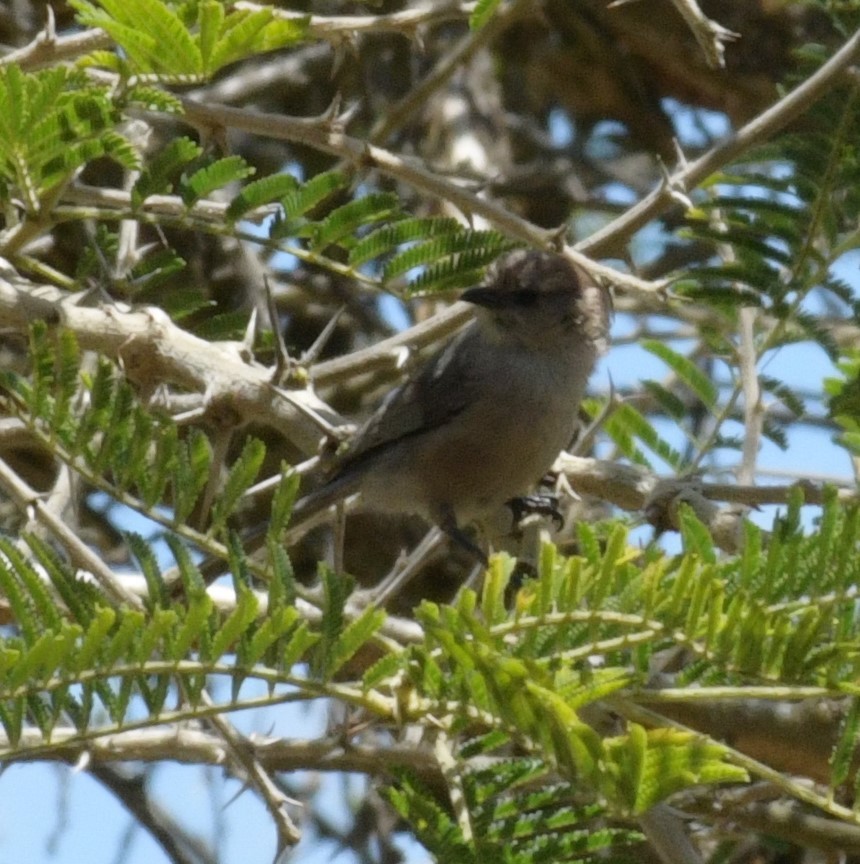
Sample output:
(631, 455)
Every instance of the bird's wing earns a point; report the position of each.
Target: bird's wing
(442, 388)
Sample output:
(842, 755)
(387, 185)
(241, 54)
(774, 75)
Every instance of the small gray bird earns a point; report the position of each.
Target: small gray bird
(484, 418)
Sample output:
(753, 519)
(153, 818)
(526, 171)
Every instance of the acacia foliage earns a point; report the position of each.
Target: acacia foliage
(558, 714)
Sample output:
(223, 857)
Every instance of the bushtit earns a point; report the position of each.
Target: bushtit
(484, 418)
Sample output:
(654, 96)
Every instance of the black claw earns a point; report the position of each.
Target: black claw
(543, 504)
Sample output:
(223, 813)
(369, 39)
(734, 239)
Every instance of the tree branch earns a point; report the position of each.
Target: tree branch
(611, 238)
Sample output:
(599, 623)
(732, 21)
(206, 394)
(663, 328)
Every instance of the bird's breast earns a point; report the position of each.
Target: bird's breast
(504, 441)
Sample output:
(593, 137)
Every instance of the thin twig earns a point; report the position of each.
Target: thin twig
(80, 554)
(339, 27)
(753, 409)
(325, 135)
(47, 49)
(251, 768)
(396, 115)
(613, 236)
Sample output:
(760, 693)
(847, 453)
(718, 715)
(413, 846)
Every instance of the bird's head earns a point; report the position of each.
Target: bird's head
(537, 297)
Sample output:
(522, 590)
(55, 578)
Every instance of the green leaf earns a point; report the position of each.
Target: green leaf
(461, 248)
(151, 34)
(336, 591)
(66, 386)
(482, 13)
(282, 501)
(432, 823)
(194, 630)
(686, 370)
(242, 474)
(626, 424)
(668, 402)
(81, 598)
(43, 657)
(384, 669)
(245, 32)
(300, 643)
(353, 637)
(163, 170)
(157, 592)
(93, 642)
(151, 98)
(193, 583)
(210, 19)
(261, 192)
(37, 591)
(282, 584)
(52, 122)
(390, 237)
(696, 537)
(310, 194)
(18, 600)
(496, 580)
(193, 457)
(348, 218)
(669, 761)
(273, 628)
(152, 483)
(218, 174)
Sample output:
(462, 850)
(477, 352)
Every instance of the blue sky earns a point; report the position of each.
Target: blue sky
(49, 813)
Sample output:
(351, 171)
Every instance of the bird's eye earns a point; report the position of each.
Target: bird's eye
(525, 297)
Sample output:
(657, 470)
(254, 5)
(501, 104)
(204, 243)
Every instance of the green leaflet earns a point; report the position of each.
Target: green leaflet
(157, 40)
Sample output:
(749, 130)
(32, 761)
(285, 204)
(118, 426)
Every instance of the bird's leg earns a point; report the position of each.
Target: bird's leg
(544, 504)
(448, 523)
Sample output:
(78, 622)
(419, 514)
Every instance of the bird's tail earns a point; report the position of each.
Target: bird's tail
(320, 499)
(308, 512)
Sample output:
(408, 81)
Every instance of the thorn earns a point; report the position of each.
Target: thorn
(329, 115)
(418, 40)
(249, 334)
(50, 27)
(348, 113)
(558, 238)
(402, 356)
(312, 354)
(679, 153)
(283, 363)
(347, 44)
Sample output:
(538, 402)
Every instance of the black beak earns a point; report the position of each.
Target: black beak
(481, 295)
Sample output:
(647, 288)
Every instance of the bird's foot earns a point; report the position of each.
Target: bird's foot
(543, 504)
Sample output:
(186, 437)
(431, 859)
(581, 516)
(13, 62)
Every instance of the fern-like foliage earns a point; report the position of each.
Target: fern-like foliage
(530, 678)
(844, 400)
(95, 423)
(784, 213)
(513, 812)
(183, 41)
(586, 633)
(779, 223)
(542, 751)
(52, 123)
(377, 238)
(76, 659)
